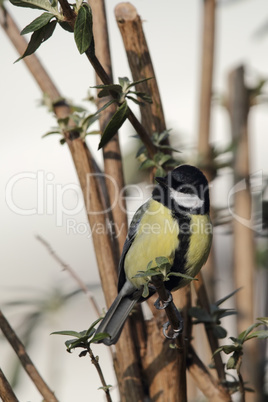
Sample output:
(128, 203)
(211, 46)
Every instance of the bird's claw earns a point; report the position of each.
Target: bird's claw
(176, 332)
(161, 305)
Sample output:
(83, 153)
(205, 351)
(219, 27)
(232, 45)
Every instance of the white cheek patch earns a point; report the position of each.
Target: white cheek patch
(189, 201)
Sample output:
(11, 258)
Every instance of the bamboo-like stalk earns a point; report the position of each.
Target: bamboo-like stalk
(207, 65)
(130, 26)
(6, 392)
(25, 360)
(205, 155)
(113, 170)
(152, 115)
(244, 247)
(204, 122)
(111, 152)
(85, 167)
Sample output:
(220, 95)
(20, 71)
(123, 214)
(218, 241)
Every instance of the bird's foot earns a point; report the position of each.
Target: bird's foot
(161, 305)
(175, 332)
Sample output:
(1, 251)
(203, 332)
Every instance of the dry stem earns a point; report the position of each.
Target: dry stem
(25, 360)
(6, 392)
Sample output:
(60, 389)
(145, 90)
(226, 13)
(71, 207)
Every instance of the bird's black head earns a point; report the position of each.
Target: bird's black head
(183, 190)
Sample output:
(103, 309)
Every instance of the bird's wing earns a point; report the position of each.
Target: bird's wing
(132, 231)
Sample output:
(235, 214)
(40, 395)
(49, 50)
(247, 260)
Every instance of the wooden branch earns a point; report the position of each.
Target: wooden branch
(205, 154)
(130, 26)
(25, 360)
(207, 65)
(6, 392)
(212, 390)
(244, 253)
(204, 147)
(111, 152)
(171, 312)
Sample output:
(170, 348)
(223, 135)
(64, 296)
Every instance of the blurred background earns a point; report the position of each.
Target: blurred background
(42, 196)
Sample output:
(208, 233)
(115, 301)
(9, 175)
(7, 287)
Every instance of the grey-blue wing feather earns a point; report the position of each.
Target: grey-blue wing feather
(132, 231)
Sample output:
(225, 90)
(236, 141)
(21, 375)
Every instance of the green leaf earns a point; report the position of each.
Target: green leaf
(106, 387)
(220, 301)
(124, 82)
(38, 23)
(162, 261)
(232, 362)
(39, 4)
(89, 120)
(100, 337)
(148, 163)
(134, 83)
(66, 26)
(264, 320)
(56, 131)
(110, 87)
(227, 349)
(219, 332)
(262, 334)
(164, 159)
(149, 265)
(145, 97)
(67, 332)
(83, 28)
(144, 274)
(160, 172)
(105, 106)
(135, 100)
(145, 292)
(93, 325)
(38, 37)
(182, 276)
(114, 124)
(242, 337)
(200, 314)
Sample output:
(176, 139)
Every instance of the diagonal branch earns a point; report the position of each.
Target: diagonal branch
(25, 360)
(6, 392)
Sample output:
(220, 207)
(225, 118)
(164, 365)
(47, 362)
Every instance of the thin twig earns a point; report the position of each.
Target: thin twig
(95, 362)
(6, 392)
(26, 362)
(72, 272)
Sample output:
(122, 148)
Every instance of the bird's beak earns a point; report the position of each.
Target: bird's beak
(162, 181)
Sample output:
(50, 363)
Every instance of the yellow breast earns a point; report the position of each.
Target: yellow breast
(157, 236)
(200, 243)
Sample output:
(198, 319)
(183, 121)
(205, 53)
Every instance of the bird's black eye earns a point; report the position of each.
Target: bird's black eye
(185, 188)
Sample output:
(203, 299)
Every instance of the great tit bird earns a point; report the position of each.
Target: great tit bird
(174, 223)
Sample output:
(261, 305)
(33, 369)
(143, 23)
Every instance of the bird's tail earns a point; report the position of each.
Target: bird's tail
(115, 318)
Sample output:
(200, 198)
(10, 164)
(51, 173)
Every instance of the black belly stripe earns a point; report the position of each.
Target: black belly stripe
(180, 254)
